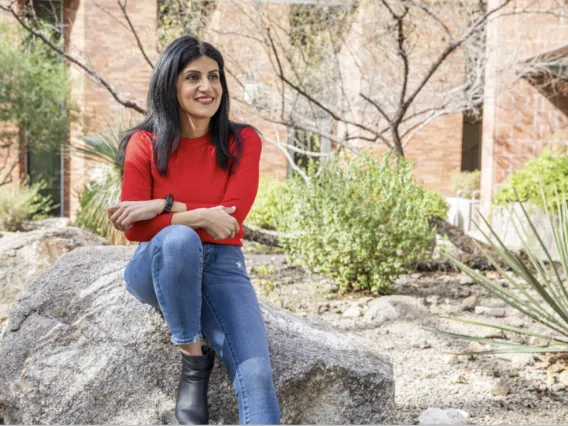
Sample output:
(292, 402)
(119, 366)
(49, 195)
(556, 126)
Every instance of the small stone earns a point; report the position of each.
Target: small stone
(353, 312)
(468, 303)
(558, 387)
(522, 360)
(390, 308)
(421, 344)
(475, 347)
(492, 275)
(465, 280)
(563, 378)
(513, 373)
(463, 292)
(500, 389)
(492, 333)
(323, 308)
(451, 359)
(506, 356)
(438, 416)
(496, 303)
(492, 312)
(459, 379)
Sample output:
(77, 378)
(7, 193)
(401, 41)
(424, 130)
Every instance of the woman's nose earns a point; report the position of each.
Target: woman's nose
(204, 86)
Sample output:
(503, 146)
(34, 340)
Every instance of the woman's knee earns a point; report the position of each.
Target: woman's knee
(257, 372)
(179, 240)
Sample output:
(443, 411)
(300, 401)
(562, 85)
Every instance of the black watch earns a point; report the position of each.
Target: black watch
(169, 203)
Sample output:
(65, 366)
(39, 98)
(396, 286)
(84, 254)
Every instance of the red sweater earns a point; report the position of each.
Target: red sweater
(192, 177)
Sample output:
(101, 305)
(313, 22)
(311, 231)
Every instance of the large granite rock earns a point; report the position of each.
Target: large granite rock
(79, 349)
(25, 254)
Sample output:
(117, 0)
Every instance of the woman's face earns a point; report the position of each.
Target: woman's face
(199, 88)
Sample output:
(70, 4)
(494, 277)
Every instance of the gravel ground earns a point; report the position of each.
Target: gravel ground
(491, 389)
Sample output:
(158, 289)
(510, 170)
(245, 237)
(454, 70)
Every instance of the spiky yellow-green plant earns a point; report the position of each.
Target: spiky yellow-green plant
(538, 285)
(104, 191)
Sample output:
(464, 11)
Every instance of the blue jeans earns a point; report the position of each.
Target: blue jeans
(205, 287)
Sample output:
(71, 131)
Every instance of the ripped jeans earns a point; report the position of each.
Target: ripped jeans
(205, 287)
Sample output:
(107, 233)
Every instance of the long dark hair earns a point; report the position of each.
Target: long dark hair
(162, 117)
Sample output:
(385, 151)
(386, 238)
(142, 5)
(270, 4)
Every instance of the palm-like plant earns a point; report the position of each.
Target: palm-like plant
(540, 293)
(102, 192)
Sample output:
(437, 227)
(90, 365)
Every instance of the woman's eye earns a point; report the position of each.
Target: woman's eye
(215, 77)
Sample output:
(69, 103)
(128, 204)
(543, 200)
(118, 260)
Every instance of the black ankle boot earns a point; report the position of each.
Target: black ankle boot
(191, 406)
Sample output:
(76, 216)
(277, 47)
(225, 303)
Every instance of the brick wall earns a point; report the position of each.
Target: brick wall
(98, 34)
(238, 30)
(519, 121)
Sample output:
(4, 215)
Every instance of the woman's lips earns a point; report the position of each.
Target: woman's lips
(205, 101)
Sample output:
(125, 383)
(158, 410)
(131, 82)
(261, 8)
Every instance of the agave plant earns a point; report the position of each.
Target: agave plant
(104, 191)
(540, 290)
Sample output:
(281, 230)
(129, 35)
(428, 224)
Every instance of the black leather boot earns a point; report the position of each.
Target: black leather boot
(192, 406)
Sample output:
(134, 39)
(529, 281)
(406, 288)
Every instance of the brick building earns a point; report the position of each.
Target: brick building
(518, 119)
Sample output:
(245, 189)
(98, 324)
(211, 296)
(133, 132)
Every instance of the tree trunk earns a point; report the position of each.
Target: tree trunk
(262, 236)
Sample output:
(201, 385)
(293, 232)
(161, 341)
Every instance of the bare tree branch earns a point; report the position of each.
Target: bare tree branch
(433, 16)
(311, 99)
(123, 8)
(451, 48)
(88, 70)
(378, 107)
(279, 145)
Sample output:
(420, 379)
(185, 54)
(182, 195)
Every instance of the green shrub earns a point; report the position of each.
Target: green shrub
(35, 89)
(20, 203)
(359, 222)
(467, 182)
(435, 203)
(265, 211)
(554, 172)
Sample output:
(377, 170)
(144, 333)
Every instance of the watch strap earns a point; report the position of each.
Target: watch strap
(168, 204)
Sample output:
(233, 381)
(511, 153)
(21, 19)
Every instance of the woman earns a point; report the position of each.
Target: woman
(190, 179)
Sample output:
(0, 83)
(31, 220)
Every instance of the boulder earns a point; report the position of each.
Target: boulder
(24, 254)
(82, 350)
(49, 223)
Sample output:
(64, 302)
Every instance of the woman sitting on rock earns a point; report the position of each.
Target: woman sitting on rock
(190, 179)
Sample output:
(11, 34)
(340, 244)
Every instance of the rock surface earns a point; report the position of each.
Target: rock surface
(24, 254)
(49, 223)
(83, 350)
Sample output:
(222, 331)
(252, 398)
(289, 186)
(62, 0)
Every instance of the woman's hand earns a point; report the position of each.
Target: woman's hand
(219, 223)
(125, 213)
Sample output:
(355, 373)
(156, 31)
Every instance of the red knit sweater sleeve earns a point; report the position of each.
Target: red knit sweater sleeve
(243, 182)
(137, 186)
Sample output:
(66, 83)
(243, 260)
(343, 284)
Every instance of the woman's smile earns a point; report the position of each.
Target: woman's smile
(205, 100)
